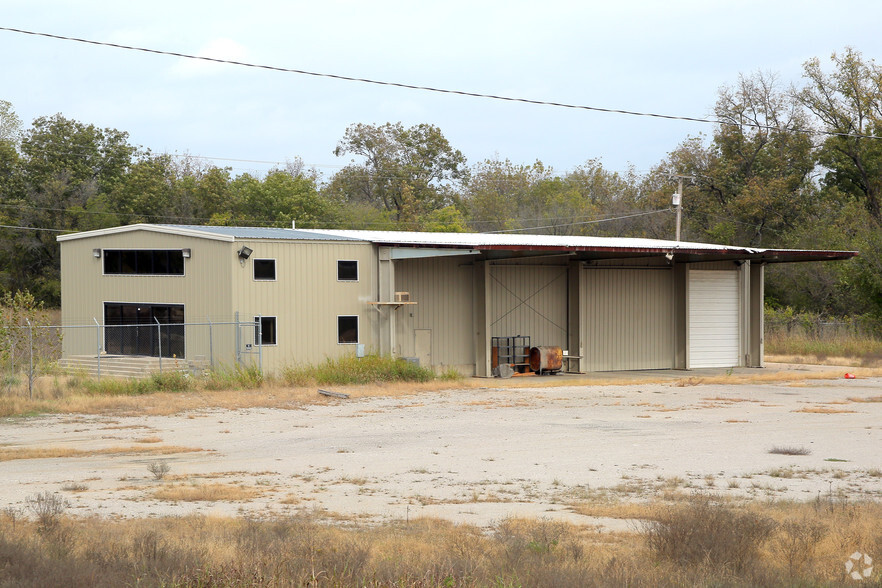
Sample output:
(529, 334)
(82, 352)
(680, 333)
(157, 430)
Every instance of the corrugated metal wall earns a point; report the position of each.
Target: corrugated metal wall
(529, 299)
(443, 290)
(204, 289)
(306, 298)
(628, 319)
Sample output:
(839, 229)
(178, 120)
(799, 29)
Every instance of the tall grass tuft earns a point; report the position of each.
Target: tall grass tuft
(357, 370)
(241, 377)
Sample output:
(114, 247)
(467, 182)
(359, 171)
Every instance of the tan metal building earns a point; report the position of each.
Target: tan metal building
(300, 296)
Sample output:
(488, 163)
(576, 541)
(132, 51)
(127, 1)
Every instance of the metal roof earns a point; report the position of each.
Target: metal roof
(685, 250)
(588, 247)
(264, 233)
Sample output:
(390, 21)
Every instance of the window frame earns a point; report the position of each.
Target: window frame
(254, 277)
(355, 261)
(357, 329)
(275, 330)
(128, 259)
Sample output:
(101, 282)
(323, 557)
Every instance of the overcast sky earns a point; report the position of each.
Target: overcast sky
(661, 57)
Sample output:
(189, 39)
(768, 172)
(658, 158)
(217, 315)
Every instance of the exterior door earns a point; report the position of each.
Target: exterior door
(423, 346)
(714, 334)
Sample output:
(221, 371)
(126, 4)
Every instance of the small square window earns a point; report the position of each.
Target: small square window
(266, 334)
(265, 269)
(347, 270)
(347, 329)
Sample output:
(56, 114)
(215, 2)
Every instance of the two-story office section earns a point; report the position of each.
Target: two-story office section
(441, 299)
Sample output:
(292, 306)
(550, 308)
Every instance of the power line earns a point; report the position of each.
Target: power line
(591, 222)
(433, 89)
(37, 229)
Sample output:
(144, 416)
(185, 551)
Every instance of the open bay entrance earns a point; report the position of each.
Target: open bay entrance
(132, 329)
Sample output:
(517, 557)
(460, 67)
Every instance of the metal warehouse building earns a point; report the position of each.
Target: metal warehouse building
(444, 299)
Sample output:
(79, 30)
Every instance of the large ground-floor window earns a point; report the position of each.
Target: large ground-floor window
(132, 329)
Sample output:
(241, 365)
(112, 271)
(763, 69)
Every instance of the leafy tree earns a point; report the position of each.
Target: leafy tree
(406, 171)
(503, 196)
(146, 194)
(201, 192)
(66, 168)
(752, 183)
(279, 199)
(10, 124)
(497, 193)
(848, 101)
(56, 147)
(445, 220)
(610, 201)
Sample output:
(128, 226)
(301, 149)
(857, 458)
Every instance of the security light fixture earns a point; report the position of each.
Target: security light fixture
(669, 255)
(96, 253)
(245, 252)
(185, 253)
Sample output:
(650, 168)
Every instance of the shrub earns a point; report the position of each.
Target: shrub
(47, 507)
(158, 468)
(704, 531)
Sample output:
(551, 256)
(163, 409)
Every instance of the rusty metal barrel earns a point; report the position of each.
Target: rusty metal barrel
(546, 360)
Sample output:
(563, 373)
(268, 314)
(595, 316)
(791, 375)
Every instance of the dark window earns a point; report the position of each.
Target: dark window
(132, 329)
(265, 269)
(347, 329)
(144, 260)
(127, 262)
(347, 271)
(267, 331)
(155, 262)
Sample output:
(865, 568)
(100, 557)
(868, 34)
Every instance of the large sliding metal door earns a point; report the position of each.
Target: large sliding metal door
(529, 300)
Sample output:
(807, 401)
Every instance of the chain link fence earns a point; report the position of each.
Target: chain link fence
(816, 326)
(28, 350)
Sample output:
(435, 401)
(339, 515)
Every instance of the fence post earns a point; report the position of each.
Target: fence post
(98, 345)
(159, 342)
(31, 368)
(210, 346)
(238, 341)
(260, 343)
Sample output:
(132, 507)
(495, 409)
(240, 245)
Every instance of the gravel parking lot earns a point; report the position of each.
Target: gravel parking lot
(473, 456)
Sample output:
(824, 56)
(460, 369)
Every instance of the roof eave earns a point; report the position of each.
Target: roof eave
(146, 227)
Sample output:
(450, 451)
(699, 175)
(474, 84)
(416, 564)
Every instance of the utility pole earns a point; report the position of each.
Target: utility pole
(677, 201)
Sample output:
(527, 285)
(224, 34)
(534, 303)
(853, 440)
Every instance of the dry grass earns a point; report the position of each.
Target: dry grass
(216, 492)
(9, 454)
(777, 377)
(850, 361)
(868, 399)
(153, 439)
(67, 394)
(823, 410)
(790, 450)
(729, 544)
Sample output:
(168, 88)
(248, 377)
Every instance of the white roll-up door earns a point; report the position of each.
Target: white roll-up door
(714, 333)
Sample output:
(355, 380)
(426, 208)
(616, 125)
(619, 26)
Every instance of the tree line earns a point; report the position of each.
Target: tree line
(787, 167)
